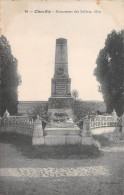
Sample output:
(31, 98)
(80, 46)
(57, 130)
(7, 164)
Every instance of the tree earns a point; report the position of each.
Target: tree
(75, 94)
(42, 112)
(9, 79)
(110, 72)
(80, 109)
(86, 108)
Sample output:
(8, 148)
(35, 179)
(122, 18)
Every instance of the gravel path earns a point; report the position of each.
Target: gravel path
(100, 176)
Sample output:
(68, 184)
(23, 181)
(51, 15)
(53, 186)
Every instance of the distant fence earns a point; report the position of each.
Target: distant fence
(104, 121)
(17, 124)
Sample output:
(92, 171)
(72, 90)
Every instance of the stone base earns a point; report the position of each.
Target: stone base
(61, 119)
(62, 131)
(38, 140)
(62, 140)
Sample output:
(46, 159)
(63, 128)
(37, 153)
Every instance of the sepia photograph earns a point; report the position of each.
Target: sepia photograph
(61, 97)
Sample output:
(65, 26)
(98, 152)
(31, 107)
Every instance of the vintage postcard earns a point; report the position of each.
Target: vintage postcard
(62, 97)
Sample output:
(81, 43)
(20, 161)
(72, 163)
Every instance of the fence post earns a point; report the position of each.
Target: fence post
(6, 114)
(86, 127)
(122, 123)
(5, 121)
(86, 132)
(38, 137)
(114, 115)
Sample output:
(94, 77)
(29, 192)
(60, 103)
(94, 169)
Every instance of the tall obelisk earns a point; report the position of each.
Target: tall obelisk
(61, 83)
(60, 102)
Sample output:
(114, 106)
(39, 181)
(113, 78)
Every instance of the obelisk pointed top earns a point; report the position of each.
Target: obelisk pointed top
(61, 41)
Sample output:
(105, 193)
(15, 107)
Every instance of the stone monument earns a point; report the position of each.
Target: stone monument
(60, 103)
(60, 128)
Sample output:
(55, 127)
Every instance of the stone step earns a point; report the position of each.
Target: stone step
(62, 139)
(60, 131)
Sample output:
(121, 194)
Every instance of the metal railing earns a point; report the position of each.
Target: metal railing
(104, 121)
(18, 124)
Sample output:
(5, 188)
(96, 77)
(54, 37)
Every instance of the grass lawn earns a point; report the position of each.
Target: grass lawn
(23, 143)
(107, 139)
(112, 184)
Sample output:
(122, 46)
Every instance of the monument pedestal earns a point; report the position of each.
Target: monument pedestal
(62, 140)
(61, 120)
(61, 129)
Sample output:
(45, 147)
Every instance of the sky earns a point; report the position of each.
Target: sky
(32, 37)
